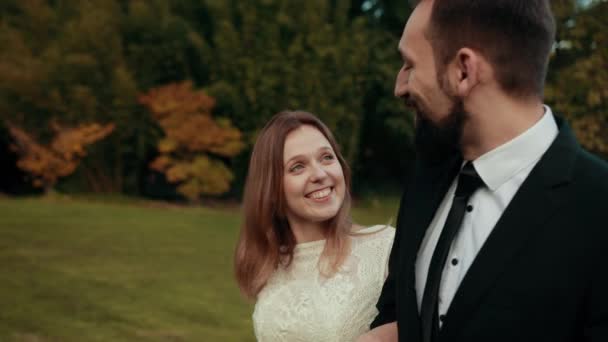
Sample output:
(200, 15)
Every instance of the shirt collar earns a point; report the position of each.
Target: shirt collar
(499, 165)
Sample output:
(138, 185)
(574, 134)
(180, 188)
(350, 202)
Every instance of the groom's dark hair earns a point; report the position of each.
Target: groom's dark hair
(516, 36)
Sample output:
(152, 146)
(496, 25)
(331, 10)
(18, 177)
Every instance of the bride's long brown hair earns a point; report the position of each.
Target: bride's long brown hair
(266, 240)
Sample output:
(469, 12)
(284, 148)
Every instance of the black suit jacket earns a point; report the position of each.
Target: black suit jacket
(542, 274)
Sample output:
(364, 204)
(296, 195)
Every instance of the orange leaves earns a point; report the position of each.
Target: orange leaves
(71, 141)
(161, 163)
(193, 140)
(176, 100)
(184, 115)
(47, 163)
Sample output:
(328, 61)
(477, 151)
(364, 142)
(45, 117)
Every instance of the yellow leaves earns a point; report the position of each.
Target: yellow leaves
(577, 88)
(167, 145)
(46, 164)
(178, 172)
(192, 139)
(201, 175)
(214, 177)
(594, 97)
(230, 148)
(206, 176)
(592, 132)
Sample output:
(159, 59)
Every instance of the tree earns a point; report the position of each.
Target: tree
(278, 54)
(577, 83)
(195, 146)
(60, 158)
(88, 61)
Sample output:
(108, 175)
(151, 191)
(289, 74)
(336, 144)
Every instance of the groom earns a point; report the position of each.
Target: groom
(502, 233)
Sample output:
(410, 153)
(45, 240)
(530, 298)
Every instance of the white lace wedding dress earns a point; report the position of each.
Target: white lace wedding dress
(299, 304)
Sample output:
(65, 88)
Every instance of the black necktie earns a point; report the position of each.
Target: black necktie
(468, 182)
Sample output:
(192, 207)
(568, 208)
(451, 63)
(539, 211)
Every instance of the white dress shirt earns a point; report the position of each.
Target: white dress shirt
(503, 170)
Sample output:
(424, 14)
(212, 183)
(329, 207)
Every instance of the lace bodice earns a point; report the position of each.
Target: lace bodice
(300, 304)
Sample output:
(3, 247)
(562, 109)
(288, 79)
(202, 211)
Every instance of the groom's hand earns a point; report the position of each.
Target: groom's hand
(383, 333)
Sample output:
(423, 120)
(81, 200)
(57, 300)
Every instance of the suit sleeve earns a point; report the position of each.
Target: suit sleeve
(386, 305)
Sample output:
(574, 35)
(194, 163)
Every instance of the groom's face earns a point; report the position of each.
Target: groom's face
(439, 115)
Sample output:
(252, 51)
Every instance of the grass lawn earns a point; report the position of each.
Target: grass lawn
(87, 270)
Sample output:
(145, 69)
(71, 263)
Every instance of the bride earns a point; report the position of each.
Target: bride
(314, 275)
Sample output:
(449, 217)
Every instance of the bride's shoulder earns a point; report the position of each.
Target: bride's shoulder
(373, 244)
(375, 232)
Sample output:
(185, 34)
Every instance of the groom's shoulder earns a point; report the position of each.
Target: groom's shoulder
(592, 171)
(588, 190)
(591, 184)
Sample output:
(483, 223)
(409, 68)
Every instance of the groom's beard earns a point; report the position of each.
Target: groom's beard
(435, 142)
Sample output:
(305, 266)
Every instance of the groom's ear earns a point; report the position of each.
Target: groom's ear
(466, 71)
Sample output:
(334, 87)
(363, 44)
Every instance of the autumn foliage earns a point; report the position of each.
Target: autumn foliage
(90, 61)
(577, 86)
(195, 145)
(60, 158)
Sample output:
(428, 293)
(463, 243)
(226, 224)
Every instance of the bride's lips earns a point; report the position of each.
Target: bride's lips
(320, 195)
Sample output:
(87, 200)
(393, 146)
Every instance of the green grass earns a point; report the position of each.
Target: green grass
(86, 270)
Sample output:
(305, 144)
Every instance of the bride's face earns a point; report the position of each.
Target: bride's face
(313, 180)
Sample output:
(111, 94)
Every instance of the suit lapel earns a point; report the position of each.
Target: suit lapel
(522, 219)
